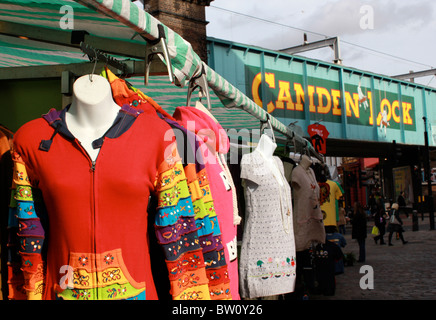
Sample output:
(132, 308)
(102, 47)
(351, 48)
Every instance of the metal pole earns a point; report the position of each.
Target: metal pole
(428, 176)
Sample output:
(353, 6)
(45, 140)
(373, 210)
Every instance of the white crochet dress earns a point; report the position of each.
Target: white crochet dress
(267, 262)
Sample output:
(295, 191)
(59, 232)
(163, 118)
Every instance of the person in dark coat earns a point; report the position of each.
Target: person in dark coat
(395, 224)
(402, 203)
(380, 221)
(359, 229)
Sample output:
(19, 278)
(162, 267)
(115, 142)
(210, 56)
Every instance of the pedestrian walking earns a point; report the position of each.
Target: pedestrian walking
(402, 204)
(380, 222)
(395, 224)
(358, 231)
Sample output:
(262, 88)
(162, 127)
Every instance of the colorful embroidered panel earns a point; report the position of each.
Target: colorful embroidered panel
(26, 238)
(176, 231)
(176, 208)
(102, 276)
(274, 268)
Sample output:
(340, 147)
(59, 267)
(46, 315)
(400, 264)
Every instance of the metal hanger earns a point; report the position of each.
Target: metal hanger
(95, 55)
(200, 82)
(155, 48)
(267, 125)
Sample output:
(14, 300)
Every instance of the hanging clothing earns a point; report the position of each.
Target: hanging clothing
(267, 263)
(206, 219)
(339, 240)
(318, 135)
(325, 269)
(96, 221)
(308, 220)
(214, 143)
(5, 183)
(6, 137)
(288, 165)
(5, 145)
(330, 193)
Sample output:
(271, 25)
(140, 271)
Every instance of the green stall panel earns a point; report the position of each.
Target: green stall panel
(28, 99)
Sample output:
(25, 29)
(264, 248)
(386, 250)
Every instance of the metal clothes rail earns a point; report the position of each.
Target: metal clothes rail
(187, 64)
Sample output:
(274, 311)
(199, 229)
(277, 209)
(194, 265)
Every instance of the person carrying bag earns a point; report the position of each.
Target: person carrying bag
(395, 224)
(375, 231)
(380, 221)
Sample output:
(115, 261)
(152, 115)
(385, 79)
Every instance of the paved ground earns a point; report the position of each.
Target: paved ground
(401, 272)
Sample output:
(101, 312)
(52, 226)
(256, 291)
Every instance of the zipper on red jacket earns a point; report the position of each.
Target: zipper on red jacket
(93, 214)
(93, 235)
(93, 166)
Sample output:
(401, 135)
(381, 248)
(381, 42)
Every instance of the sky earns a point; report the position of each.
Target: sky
(388, 37)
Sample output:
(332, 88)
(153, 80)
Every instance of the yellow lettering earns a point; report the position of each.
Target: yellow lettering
(255, 89)
(352, 103)
(384, 103)
(270, 80)
(323, 92)
(310, 92)
(371, 114)
(395, 116)
(336, 94)
(299, 106)
(407, 119)
(285, 96)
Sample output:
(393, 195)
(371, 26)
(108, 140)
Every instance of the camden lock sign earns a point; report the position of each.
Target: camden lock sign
(371, 109)
(352, 104)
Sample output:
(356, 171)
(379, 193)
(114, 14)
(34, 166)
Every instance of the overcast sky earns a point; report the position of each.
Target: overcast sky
(392, 29)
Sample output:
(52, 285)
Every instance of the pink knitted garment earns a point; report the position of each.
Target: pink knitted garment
(214, 142)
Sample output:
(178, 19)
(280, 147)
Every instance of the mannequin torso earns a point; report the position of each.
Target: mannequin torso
(305, 162)
(92, 111)
(266, 148)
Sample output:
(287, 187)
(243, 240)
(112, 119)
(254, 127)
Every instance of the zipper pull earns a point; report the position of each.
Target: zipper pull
(93, 166)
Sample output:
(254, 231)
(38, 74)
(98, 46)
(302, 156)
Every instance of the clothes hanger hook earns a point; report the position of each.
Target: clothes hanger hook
(268, 117)
(95, 64)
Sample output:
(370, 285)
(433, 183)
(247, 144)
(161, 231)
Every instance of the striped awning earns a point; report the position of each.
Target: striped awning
(121, 19)
(186, 62)
(48, 13)
(18, 53)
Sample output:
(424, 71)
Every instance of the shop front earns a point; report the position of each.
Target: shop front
(366, 115)
(183, 237)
